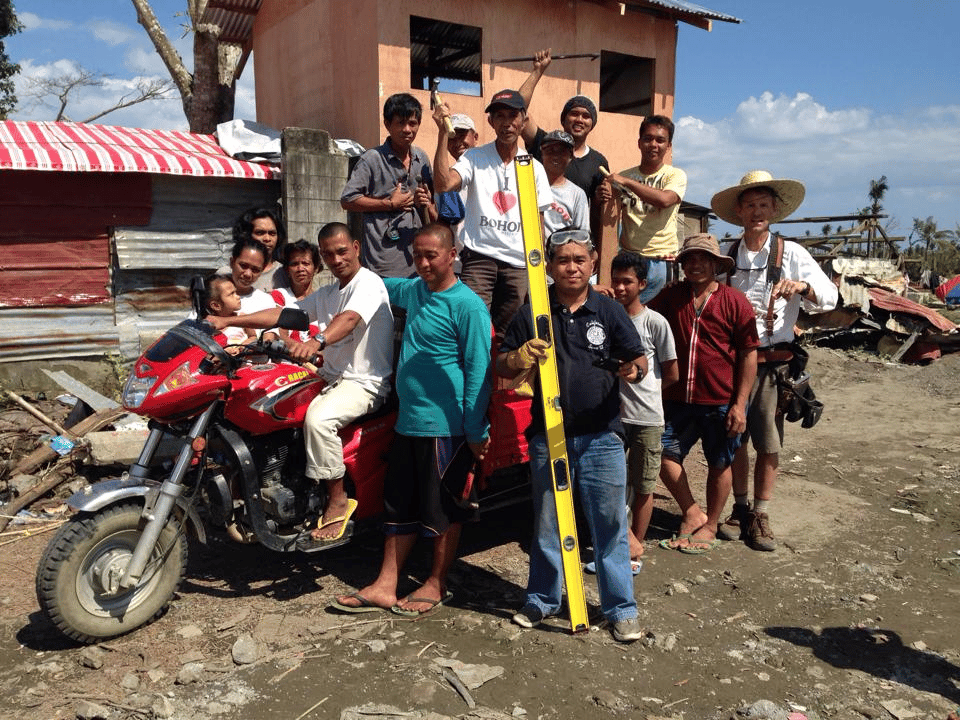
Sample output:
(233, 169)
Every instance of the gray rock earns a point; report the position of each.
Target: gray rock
(162, 707)
(377, 646)
(155, 675)
(91, 657)
(138, 700)
(869, 598)
(764, 710)
(667, 643)
(87, 710)
(245, 650)
(191, 672)
(130, 681)
(189, 631)
(51, 666)
(21, 483)
(610, 701)
(218, 708)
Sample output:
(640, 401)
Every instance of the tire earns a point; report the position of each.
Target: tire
(71, 574)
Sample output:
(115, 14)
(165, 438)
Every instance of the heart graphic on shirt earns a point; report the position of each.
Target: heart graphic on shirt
(503, 201)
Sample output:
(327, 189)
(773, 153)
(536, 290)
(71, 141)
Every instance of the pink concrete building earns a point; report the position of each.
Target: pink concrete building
(330, 64)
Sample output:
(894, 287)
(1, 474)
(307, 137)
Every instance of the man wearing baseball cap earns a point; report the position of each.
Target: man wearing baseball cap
(493, 263)
(450, 208)
(569, 208)
(754, 203)
(578, 118)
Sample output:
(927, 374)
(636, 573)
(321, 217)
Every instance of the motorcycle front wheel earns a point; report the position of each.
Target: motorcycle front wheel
(79, 573)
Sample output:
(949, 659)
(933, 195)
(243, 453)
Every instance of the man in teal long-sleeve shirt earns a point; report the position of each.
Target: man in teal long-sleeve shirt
(443, 382)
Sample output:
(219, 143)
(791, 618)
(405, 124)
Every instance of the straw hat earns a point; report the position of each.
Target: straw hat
(789, 196)
(704, 242)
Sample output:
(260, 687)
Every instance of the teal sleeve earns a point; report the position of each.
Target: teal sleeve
(474, 329)
(396, 289)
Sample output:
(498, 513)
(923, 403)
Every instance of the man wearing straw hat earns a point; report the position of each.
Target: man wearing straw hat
(755, 203)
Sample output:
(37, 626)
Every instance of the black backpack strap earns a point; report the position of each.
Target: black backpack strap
(732, 252)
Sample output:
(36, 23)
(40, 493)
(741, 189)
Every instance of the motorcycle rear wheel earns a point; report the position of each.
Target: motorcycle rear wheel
(79, 570)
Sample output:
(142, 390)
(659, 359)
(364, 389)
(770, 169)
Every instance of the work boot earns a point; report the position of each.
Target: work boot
(626, 631)
(735, 526)
(759, 534)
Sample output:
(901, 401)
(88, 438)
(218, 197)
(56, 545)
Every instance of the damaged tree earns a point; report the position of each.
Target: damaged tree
(208, 93)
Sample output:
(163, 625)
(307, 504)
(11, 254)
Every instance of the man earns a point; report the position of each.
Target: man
(650, 226)
(569, 208)
(440, 432)
(755, 203)
(390, 186)
(578, 118)
(450, 209)
(356, 341)
(641, 404)
(492, 258)
(716, 337)
(587, 328)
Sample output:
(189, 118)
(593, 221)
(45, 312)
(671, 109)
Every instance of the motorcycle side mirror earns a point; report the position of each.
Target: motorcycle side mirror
(293, 319)
(199, 295)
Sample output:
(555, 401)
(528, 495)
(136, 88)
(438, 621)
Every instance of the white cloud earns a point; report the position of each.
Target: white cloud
(112, 33)
(32, 21)
(835, 152)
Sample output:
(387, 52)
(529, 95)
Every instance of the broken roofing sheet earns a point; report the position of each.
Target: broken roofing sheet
(872, 292)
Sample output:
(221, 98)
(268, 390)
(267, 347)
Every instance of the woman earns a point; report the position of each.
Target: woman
(301, 262)
(265, 226)
(246, 263)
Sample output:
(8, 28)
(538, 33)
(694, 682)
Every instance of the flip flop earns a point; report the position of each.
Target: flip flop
(308, 543)
(434, 604)
(365, 605)
(635, 567)
(710, 545)
(665, 544)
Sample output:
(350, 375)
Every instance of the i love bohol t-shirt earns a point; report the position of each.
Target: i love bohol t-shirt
(491, 226)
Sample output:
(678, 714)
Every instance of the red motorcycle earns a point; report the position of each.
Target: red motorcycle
(238, 419)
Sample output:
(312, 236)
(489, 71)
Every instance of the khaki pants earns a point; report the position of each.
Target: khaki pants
(338, 406)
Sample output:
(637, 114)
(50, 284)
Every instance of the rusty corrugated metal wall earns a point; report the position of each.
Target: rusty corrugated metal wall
(97, 263)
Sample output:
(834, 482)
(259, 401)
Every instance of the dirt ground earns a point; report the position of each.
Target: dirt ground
(856, 615)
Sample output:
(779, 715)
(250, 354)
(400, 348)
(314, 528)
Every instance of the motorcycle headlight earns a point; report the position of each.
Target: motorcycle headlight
(136, 389)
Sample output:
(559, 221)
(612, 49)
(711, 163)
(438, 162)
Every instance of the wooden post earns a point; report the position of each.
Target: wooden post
(609, 238)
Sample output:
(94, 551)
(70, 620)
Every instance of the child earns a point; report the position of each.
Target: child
(224, 301)
(641, 405)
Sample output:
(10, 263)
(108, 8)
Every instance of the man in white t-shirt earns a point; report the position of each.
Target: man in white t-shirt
(356, 341)
(493, 264)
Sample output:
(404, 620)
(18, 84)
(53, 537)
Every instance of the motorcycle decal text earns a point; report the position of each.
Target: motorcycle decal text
(291, 378)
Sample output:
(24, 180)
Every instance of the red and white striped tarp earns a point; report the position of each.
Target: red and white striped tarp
(77, 147)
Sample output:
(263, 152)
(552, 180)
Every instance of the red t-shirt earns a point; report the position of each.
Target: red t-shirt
(707, 346)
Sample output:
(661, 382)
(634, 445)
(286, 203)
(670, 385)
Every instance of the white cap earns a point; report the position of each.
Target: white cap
(462, 122)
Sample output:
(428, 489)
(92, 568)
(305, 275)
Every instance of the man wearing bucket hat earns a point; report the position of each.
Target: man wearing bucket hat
(578, 118)
(493, 263)
(716, 339)
(756, 202)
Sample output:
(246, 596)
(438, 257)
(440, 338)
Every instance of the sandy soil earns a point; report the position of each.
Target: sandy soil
(854, 616)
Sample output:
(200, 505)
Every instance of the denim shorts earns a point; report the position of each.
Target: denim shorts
(686, 423)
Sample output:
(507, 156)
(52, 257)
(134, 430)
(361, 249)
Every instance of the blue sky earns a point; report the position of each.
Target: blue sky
(831, 92)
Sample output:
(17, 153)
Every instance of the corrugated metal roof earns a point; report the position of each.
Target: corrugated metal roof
(234, 18)
(683, 6)
(78, 147)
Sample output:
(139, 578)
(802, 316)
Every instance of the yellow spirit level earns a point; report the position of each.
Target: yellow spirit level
(550, 393)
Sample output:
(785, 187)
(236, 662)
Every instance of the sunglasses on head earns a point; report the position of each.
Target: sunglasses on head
(562, 237)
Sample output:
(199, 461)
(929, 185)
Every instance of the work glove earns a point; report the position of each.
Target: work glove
(527, 355)
(525, 360)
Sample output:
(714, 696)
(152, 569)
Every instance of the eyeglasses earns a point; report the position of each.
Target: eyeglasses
(575, 235)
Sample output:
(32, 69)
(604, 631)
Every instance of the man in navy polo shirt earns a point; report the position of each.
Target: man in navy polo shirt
(586, 327)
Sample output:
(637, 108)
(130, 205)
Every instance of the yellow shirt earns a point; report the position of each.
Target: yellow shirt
(649, 230)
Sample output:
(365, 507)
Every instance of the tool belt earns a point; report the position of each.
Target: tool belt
(796, 399)
(774, 355)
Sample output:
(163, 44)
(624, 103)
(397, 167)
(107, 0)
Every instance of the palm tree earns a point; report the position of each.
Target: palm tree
(878, 188)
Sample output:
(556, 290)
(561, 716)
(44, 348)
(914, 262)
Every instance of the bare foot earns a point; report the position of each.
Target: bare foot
(373, 594)
(703, 539)
(331, 522)
(636, 546)
(427, 597)
(693, 520)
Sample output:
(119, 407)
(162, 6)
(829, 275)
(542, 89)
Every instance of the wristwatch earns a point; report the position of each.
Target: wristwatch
(319, 337)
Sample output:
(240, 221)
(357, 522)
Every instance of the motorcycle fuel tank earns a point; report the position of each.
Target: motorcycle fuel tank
(271, 396)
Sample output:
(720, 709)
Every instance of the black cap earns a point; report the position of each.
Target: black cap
(507, 98)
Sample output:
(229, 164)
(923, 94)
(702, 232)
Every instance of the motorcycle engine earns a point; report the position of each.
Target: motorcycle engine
(280, 459)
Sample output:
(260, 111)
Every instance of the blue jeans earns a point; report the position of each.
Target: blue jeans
(656, 279)
(598, 471)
